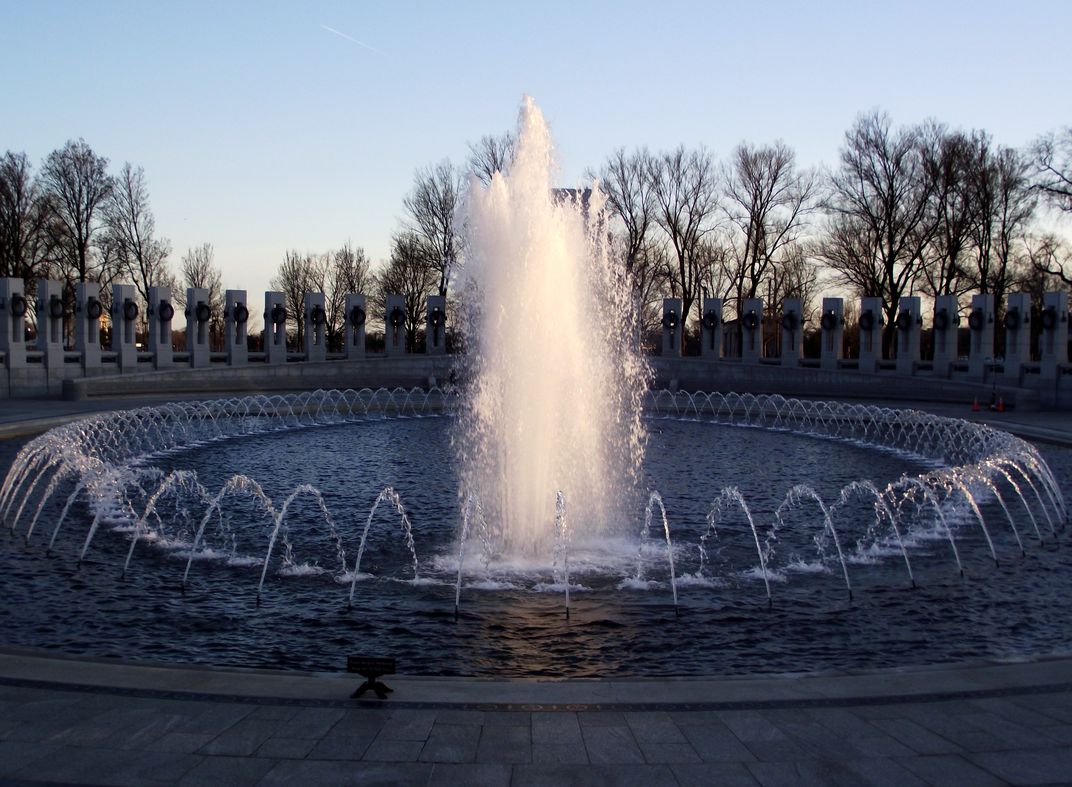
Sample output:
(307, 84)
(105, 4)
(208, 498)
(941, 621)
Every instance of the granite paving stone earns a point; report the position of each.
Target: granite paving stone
(880, 772)
(611, 745)
(785, 748)
(716, 743)
(813, 772)
(391, 750)
(602, 718)
(15, 755)
(326, 773)
(1010, 710)
(556, 727)
(916, 737)
(367, 721)
(751, 726)
(507, 719)
(484, 774)
(723, 774)
(232, 771)
(505, 745)
(669, 753)
(310, 723)
(408, 725)
(595, 775)
(455, 743)
(215, 718)
(178, 742)
(88, 765)
(276, 712)
(451, 716)
(559, 753)
(1055, 706)
(241, 739)
(1012, 734)
(840, 721)
(654, 727)
(341, 747)
(949, 770)
(1038, 766)
(286, 748)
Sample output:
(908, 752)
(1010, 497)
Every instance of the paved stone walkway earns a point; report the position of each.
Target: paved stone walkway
(101, 724)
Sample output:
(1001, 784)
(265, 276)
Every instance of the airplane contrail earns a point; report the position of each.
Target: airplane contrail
(351, 38)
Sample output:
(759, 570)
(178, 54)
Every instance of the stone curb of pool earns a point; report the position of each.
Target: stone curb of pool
(41, 669)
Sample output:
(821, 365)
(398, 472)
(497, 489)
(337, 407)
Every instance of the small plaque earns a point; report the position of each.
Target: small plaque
(366, 665)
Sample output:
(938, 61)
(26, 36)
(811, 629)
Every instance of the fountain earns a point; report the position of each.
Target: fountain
(548, 516)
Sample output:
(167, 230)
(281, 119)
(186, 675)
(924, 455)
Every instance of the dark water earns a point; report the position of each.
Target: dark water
(724, 625)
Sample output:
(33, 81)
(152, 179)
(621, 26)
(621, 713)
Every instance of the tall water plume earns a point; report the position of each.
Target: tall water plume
(555, 389)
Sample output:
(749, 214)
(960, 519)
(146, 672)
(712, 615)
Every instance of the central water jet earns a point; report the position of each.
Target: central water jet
(555, 384)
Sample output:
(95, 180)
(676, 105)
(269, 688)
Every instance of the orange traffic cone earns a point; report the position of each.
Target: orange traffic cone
(1001, 404)
(975, 405)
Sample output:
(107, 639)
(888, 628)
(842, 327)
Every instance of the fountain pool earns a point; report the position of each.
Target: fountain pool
(142, 483)
(558, 519)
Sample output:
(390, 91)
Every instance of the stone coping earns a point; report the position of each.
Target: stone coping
(43, 669)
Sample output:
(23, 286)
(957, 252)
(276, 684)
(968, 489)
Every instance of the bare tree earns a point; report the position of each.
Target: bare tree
(131, 230)
(880, 217)
(77, 184)
(767, 205)
(1053, 159)
(346, 271)
(949, 158)
(23, 220)
(685, 188)
(1049, 262)
(625, 180)
(490, 155)
(294, 277)
(199, 269)
(433, 206)
(407, 274)
(795, 276)
(1006, 205)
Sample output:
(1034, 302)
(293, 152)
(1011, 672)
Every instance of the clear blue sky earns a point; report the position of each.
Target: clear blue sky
(260, 130)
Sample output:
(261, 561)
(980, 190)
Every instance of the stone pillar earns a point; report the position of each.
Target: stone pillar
(870, 326)
(160, 314)
(394, 326)
(275, 327)
(832, 325)
(13, 308)
(711, 329)
(87, 315)
(1053, 340)
(236, 327)
(671, 336)
(124, 327)
(752, 330)
(981, 330)
(909, 326)
(435, 326)
(792, 331)
(316, 323)
(946, 322)
(50, 313)
(198, 315)
(1017, 324)
(355, 326)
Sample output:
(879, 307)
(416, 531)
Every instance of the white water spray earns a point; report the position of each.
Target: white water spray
(556, 386)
